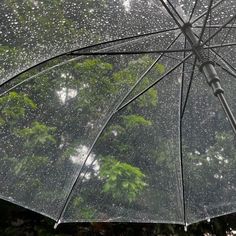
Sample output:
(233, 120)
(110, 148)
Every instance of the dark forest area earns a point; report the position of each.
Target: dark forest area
(17, 221)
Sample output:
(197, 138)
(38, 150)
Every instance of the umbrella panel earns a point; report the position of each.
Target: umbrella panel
(220, 10)
(46, 120)
(35, 31)
(155, 75)
(24, 46)
(227, 59)
(136, 173)
(208, 153)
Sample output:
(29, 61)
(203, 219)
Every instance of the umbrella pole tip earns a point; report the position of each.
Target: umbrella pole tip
(56, 224)
(186, 228)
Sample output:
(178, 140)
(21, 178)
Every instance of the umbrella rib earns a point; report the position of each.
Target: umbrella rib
(180, 134)
(189, 87)
(111, 53)
(205, 12)
(78, 174)
(209, 33)
(228, 65)
(225, 37)
(171, 14)
(55, 66)
(225, 62)
(26, 80)
(193, 9)
(86, 171)
(176, 12)
(213, 26)
(221, 96)
(118, 108)
(147, 71)
(177, 59)
(154, 83)
(222, 27)
(88, 47)
(206, 19)
(183, 71)
(105, 125)
(220, 45)
(228, 68)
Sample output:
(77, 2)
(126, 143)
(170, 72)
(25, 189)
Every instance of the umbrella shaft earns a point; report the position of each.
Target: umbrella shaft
(214, 82)
(208, 69)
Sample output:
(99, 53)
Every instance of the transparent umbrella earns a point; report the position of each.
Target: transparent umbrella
(119, 111)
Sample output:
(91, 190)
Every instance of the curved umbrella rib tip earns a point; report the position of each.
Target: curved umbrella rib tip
(57, 224)
(74, 51)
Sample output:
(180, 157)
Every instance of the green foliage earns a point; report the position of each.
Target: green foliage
(40, 131)
(160, 68)
(69, 151)
(122, 181)
(14, 107)
(93, 66)
(129, 75)
(134, 121)
(53, 16)
(95, 83)
(30, 165)
(44, 126)
(36, 135)
(6, 53)
(166, 149)
(85, 212)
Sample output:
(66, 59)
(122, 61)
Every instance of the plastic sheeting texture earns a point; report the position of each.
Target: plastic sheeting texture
(66, 152)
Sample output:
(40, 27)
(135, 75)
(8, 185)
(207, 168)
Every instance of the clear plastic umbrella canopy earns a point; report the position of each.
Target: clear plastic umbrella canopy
(118, 111)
